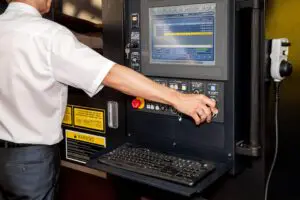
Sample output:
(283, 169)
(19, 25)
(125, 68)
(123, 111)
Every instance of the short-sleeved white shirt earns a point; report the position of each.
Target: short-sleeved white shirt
(38, 60)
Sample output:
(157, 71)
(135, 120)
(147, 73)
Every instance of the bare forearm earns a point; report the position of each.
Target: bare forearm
(127, 81)
(132, 83)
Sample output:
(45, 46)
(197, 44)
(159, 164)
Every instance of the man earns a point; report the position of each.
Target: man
(38, 60)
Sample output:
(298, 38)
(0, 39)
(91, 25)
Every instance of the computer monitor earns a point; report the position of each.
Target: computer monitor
(182, 34)
(184, 39)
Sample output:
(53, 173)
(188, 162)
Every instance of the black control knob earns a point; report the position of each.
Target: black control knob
(196, 91)
(286, 69)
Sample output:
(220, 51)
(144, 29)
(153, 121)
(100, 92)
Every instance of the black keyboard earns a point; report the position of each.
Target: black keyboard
(145, 161)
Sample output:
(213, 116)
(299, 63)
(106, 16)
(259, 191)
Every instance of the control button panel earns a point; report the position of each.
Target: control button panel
(213, 90)
(197, 87)
(135, 61)
(133, 46)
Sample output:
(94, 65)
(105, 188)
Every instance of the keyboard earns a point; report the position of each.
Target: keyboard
(151, 163)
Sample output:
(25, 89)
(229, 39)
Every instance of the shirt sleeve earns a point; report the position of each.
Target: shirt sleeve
(77, 65)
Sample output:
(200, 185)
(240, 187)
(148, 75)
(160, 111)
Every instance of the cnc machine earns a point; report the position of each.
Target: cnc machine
(199, 47)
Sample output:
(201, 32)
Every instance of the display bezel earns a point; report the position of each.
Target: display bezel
(218, 71)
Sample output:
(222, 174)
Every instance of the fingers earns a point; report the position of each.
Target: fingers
(211, 103)
(204, 114)
(215, 112)
(208, 113)
(196, 118)
(208, 101)
(201, 115)
(214, 109)
(200, 107)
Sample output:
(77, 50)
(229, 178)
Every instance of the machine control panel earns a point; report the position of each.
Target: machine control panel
(167, 27)
(213, 90)
(134, 44)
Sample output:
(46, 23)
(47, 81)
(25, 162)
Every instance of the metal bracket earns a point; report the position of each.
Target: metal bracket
(247, 150)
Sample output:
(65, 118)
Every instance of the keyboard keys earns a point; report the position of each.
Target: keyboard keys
(147, 162)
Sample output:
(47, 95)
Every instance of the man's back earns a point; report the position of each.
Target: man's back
(39, 59)
(30, 98)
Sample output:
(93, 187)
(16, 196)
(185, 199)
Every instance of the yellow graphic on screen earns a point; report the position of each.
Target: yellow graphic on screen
(188, 34)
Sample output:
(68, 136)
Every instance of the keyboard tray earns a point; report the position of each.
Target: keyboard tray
(146, 161)
(220, 170)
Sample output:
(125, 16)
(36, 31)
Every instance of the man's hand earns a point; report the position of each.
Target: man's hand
(126, 80)
(199, 107)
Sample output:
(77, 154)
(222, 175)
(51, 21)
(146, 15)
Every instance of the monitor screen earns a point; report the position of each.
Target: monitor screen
(182, 34)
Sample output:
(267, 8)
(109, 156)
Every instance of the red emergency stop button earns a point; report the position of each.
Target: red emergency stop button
(136, 103)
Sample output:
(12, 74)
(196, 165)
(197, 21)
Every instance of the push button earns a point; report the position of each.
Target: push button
(135, 103)
(138, 103)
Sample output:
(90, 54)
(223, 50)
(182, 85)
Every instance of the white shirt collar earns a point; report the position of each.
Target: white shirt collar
(18, 6)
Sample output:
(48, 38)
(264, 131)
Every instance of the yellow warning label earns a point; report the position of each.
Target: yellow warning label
(68, 116)
(88, 138)
(89, 118)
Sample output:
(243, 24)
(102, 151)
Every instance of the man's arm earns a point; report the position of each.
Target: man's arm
(127, 81)
(76, 65)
